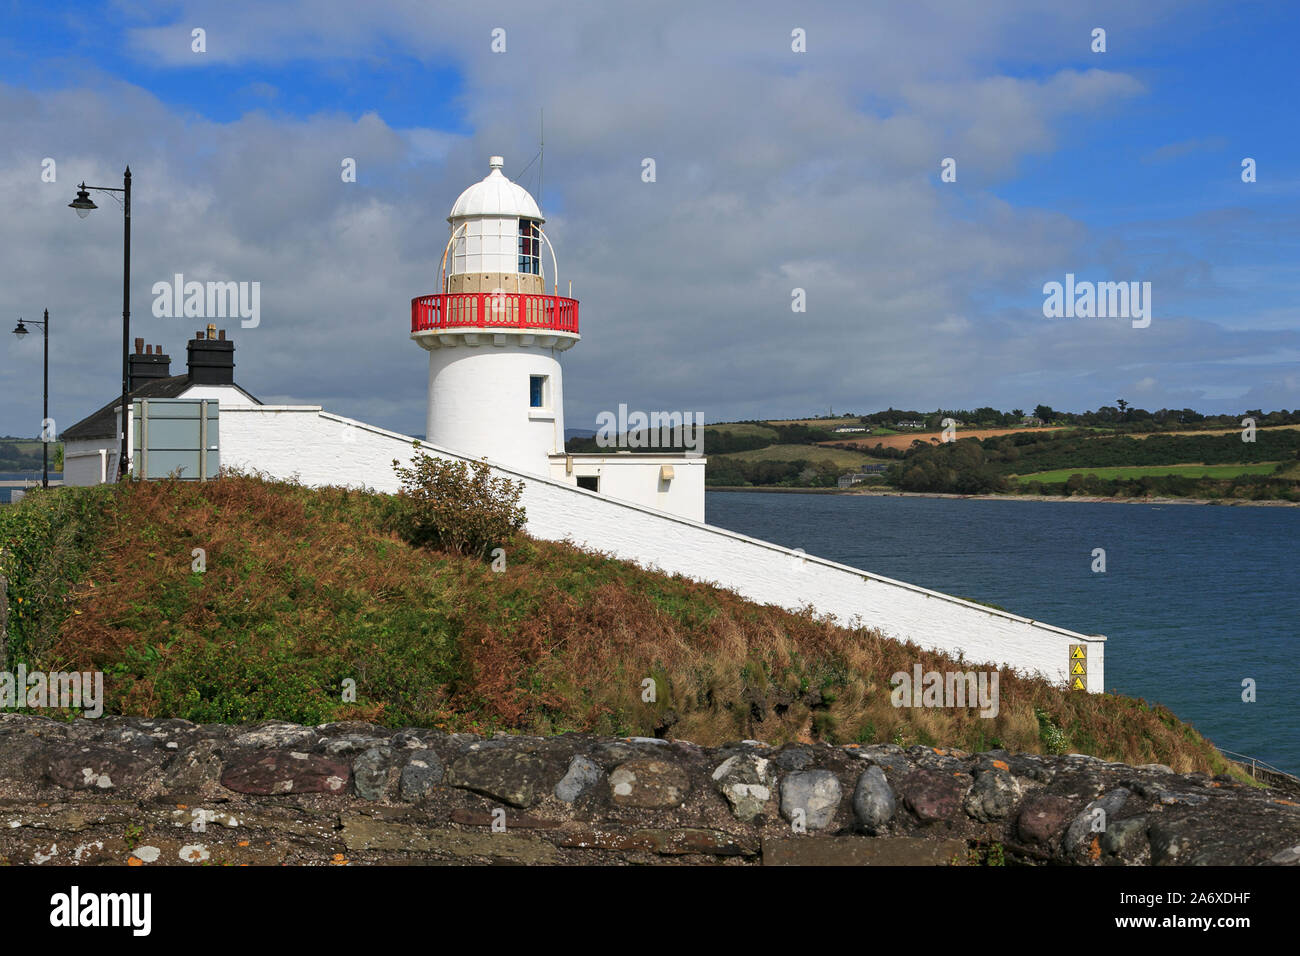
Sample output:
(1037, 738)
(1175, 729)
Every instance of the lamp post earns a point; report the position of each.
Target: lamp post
(83, 205)
(21, 331)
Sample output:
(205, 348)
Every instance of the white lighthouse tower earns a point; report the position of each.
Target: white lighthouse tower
(494, 331)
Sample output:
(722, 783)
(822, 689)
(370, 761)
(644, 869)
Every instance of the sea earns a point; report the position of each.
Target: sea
(1194, 599)
(31, 478)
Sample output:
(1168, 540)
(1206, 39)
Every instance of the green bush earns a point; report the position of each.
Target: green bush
(445, 505)
(45, 547)
(1053, 738)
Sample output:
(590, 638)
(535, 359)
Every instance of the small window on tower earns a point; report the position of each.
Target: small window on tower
(537, 391)
(530, 247)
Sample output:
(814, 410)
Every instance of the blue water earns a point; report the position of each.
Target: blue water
(1194, 598)
(34, 477)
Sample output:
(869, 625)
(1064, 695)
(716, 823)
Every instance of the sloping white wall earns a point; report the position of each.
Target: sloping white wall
(323, 449)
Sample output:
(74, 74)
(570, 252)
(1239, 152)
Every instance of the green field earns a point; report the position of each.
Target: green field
(739, 429)
(1142, 471)
(827, 423)
(810, 453)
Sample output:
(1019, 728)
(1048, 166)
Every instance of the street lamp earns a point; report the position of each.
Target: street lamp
(21, 332)
(83, 204)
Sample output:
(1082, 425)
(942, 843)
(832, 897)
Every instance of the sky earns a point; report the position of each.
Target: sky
(776, 169)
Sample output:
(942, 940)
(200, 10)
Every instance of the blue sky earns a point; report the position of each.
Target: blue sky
(59, 44)
(776, 170)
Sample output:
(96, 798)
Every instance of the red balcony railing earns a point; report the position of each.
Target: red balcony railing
(494, 310)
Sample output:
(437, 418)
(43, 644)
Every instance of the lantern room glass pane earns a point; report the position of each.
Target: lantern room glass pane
(530, 247)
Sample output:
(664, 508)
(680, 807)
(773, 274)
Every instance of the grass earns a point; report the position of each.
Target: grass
(817, 422)
(306, 589)
(1142, 471)
(739, 430)
(1235, 430)
(25, 447)
(814, 454)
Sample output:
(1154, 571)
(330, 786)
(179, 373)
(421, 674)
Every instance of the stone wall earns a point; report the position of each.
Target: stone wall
(131, 791)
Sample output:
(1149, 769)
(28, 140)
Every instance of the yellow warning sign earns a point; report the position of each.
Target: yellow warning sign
(1079, 667)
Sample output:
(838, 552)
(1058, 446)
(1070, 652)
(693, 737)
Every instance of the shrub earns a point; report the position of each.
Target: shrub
(446, 506)
(1053, 738)
(45, 546)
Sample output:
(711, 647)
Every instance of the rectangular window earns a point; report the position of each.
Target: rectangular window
(530, 247)
(537, 391)
(590, 482)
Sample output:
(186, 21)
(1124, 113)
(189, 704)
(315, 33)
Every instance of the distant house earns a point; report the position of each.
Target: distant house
(843, 429)
(849, 479)
(1031, 420)
(92, 445)
(911, 424)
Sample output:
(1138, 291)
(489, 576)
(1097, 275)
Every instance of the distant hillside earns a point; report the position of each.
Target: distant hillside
(305, 590)
(24, 455)
(1116, 452)
(1206, 465)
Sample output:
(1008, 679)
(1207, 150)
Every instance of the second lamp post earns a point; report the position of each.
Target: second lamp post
(47, 434)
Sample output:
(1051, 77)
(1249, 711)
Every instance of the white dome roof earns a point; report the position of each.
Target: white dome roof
(495, 196)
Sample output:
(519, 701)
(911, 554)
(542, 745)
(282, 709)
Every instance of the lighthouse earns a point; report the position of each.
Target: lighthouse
(495, 329)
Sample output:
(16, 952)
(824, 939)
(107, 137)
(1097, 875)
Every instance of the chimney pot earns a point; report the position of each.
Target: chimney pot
(148, 363)
(211, 360)
(221, 335)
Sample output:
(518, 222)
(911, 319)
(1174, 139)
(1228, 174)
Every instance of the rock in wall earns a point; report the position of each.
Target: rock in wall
(131, 791)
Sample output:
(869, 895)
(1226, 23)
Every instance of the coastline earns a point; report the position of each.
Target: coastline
(1085, 499)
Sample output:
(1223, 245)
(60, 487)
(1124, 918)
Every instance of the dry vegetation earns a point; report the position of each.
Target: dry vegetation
(304, 589)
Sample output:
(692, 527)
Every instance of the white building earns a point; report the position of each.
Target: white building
(91, 446)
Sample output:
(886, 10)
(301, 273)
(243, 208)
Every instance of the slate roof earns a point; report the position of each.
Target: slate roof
(103, 423)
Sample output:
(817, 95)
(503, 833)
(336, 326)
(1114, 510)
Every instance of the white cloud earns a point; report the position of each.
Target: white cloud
(775, 170)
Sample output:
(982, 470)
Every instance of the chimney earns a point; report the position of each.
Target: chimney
(211, 359)
(148, 363)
